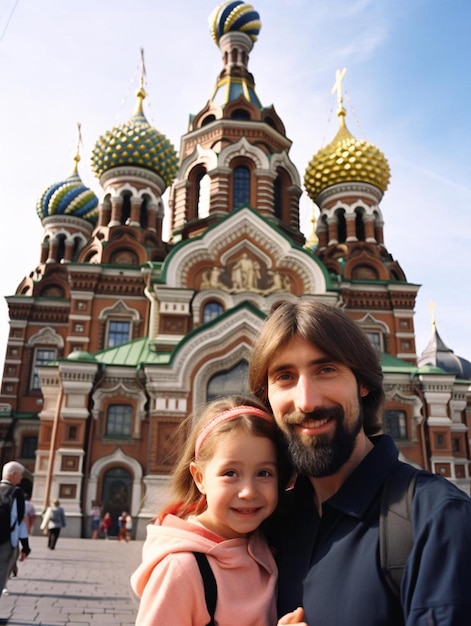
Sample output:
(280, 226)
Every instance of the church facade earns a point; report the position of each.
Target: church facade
(117, 335)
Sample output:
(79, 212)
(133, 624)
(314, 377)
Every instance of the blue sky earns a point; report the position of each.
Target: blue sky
(407, 90)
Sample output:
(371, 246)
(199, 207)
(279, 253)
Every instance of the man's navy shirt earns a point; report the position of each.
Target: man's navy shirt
(330, 564)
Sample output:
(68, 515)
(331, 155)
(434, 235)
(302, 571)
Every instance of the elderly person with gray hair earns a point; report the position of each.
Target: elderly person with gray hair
(13, 530)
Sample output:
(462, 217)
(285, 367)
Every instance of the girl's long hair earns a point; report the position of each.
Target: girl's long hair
(186, 498)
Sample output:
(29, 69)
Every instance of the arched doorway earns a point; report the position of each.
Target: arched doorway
(117, 493)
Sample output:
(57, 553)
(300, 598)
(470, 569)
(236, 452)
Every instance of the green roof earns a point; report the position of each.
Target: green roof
(133, 354)
(392, 365)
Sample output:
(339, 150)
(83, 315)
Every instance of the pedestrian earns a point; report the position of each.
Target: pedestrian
(122, 530)
(128, 526)
(96, 519)
(322, 378)
(106, 524)
(30, 514)
(53, 522)
(224, 485)
(13, 530)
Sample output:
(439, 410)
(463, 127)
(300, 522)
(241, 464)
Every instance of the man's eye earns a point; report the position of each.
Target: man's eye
(328, 369)
(281, 377)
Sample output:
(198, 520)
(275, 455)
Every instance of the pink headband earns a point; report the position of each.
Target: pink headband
(225, 416)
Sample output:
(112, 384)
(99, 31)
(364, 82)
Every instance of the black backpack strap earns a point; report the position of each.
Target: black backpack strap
(395, 526)
(210, 585)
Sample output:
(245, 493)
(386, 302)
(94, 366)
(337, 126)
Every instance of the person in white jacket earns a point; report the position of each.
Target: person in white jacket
(53, 522)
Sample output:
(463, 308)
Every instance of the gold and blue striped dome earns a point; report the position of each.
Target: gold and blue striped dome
(232, 16)
(137, 143)
(69, 197)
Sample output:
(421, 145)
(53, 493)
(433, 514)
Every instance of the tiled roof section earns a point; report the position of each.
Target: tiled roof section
(132, 354)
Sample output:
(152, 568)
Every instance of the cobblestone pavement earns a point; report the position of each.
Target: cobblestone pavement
(82, 582)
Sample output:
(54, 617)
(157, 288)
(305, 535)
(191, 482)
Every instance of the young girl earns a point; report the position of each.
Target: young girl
(225, 484)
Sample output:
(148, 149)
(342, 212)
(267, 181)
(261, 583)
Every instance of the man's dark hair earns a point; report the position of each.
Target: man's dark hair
(334, 333)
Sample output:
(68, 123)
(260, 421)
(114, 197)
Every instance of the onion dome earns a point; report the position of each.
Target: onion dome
(135, 143)
(69, 197)
(437, 353)
(234, 16)
(346, 159)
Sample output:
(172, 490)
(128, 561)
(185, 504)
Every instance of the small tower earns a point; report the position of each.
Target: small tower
(134, 163)
(235, 153)
(68, 212)
(347, 180)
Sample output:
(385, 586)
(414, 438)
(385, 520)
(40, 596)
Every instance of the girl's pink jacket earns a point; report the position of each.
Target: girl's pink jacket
(170, 584)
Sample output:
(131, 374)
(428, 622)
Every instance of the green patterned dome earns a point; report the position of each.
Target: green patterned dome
(346, 159)
(69, 197)
(136, 143)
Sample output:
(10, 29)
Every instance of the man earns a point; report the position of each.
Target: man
(323, 381)
(12, 473)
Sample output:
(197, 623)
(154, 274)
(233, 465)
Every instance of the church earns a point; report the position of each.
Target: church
(119, 332)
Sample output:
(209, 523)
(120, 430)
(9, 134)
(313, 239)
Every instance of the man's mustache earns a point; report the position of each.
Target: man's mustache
(321, 413)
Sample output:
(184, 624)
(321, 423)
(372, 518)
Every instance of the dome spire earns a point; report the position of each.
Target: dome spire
(339, 76)
(345, 159)
(141, 92)
(77, 152)
(431, 308)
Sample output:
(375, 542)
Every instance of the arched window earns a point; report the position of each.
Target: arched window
(211, 311)
(202, 194)
(119, 421)
(395, 424)
(230, 382)
(144, 215)
(208, 119)
(277, 193)
(118, 332)
(76, 248)
(341, 226)
(376, 340)
(126, 208)
(240, 114)
(241, 186)
(359, 225)
(42, 356)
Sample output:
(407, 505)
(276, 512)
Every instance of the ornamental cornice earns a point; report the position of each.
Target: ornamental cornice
(52, 221)
(341, 189)
(113, 178)
(233, 130)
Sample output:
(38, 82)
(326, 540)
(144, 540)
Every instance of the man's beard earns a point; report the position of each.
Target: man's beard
(322, 455)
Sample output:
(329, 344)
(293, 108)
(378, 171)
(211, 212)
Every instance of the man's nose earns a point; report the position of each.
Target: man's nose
(308, 396)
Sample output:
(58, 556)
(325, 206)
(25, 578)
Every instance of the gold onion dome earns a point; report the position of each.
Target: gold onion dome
(234, 16)
(69, 197)
(346, 159)
(137, 143)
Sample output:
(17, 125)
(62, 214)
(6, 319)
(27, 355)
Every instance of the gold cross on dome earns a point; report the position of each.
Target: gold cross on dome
(339, 76)
(431, 307)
